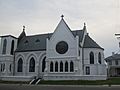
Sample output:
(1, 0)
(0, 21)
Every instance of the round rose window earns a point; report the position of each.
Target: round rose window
(62, 47)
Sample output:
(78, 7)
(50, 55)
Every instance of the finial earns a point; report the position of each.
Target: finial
(23, 28)
(84, 26)
(62, 16)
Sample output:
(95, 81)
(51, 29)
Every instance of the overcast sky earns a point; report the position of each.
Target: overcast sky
(42, 16)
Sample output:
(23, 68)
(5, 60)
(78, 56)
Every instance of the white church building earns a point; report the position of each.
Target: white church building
(64, 54)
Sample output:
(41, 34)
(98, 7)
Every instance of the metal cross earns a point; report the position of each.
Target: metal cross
(23, 27)
(62, 16)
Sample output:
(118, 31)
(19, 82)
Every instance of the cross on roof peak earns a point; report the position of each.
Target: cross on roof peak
(23, 28)
(84, 24)
(62, 16)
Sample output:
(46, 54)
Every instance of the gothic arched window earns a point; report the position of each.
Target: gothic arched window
(12, 47)
(91, 58)
(71, 66)
(61, 66)
(2, 67)
(99, 58)
(4, 46)
(20, 65)
(56, 66)
(10, 67)
(32, 65)
(51, 66)
(66, 66)
(43, 64)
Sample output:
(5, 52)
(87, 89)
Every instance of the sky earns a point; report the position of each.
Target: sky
(102, 18)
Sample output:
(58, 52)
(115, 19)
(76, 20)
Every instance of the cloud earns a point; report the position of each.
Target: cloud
(42, 16)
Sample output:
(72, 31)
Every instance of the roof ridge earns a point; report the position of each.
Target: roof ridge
(39, 34)
(51, 33)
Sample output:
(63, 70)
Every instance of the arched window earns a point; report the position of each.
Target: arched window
(66, 66)
(61, 66)
(4, 46)
(43, 64)
(10, 67)
(2, 67)
(12, 47)
(32, 65)
(99, 58)
(91, 58)
(56, 66)
(71, 66)
(20, 65)
(79, 52)
(51, 66)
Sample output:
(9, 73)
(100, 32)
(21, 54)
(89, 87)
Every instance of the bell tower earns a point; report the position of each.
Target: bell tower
(7, 48)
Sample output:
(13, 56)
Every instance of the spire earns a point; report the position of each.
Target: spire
(84, 28)
(22, 35)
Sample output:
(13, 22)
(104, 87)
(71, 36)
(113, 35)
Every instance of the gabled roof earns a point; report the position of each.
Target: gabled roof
(38, 42)
(33, 43)
(113, 57)
(79, 33)
(90, 43)
(62, 26)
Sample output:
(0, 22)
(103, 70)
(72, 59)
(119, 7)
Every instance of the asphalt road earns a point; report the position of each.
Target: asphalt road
(48, 87)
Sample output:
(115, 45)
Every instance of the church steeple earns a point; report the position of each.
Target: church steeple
(22, 35)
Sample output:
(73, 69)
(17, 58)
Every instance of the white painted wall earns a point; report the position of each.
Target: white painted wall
(9, 41)
(26, 56)
(7, 58)
(62, 33)
(96, 68)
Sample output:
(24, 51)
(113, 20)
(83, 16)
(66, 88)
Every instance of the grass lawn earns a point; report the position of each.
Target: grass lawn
(111, 81)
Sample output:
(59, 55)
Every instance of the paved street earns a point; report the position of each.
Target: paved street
(47, 87)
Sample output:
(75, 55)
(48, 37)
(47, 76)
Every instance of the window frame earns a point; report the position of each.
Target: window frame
(20, 65)
(91, 55)
(32, 65)
(87, 70)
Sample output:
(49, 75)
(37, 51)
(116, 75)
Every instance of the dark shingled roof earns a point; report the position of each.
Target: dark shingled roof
(90, 43)
(79, 33)
(33, 43)
(22, 35)
(38, 42)
(113, 57)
